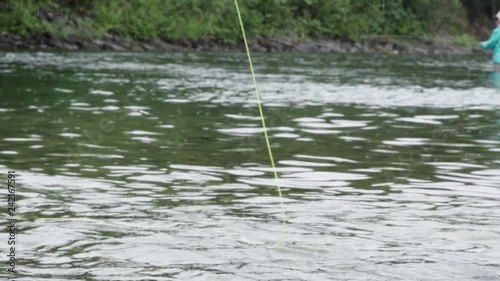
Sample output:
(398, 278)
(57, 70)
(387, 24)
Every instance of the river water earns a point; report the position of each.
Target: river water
(152, 166)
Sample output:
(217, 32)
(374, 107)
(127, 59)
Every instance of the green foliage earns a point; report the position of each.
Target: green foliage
(143, 19)
(191, 19)
(444, 16)
(466, 40)
(19, 17)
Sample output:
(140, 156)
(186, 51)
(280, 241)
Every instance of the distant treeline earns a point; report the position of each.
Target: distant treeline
(292, 19)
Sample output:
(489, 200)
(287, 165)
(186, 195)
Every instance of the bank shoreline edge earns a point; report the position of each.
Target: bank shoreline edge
(379, 44)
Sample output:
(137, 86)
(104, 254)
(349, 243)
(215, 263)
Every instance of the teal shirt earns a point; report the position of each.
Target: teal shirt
(493, 43)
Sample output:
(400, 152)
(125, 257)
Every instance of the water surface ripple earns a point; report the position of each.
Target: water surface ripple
(152, 166)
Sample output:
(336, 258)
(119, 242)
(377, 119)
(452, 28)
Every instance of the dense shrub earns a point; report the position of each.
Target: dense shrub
(295, 19)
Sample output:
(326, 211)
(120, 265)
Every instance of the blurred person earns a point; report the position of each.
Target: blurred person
(494, 43)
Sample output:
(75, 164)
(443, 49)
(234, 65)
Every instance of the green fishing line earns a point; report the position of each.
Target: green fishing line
(269, 150)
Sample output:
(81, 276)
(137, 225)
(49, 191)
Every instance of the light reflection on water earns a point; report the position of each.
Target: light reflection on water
(153, 166)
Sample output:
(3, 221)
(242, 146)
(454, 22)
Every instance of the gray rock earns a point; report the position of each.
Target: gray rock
(273, 45)
(135, 46)
(164, 46)
(98, 43)
(85, 45)
(332, 47)
(147, 47)
(255, 46)
(306, 47)
(69, 46)
(418, 50)
(113, 47)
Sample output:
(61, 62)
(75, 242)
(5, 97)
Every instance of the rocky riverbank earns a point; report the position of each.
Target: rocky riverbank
(109, 42)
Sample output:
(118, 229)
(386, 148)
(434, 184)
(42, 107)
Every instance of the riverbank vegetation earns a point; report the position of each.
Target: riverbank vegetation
(294, 20)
